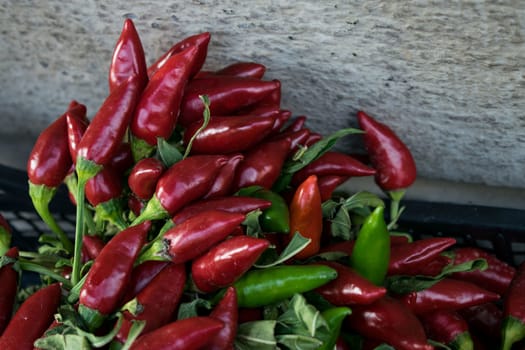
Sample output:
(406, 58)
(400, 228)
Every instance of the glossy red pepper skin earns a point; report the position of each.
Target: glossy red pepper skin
(76, 127)
(251, 70)
(434, 266)
(128, 58)
(390, 321)
(123, 160)
(496, 277)
(447, 327)
(159, 300)
(187, 334)
(227, 96)
(333, 163)
(513, 324)
(396, 168)
(296, 124)
(407, 258)
(103, 187)
(107, 278)
(328, 184)
(49, 160)
(227, 312)
(232, 204)
(222, 186)
(484, 320)
(141, 275)
(31, 319)
(196, 235)
(106, 131)
(306, 216)
(157, 110)
(200, 41)
(92, 245)
(447, 294)
(226, 262)
(297, 139)
(271, 100)
(262, 164)
(9, 283)
(349, 287)
(144, 176)
(228, 134)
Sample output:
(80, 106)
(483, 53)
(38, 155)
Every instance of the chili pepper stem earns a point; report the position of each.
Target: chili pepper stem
(395, 209)
(92, 318)
(513, 330)
(140, 149)
(152, 211)
(156, 251)
(41, 196)
(29, 266)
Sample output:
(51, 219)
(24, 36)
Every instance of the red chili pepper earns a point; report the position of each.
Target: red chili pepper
(227, 95)
(107, 279)
(123, 158)
(346, 247)
(313, 138)
(128, 58)
(144, 176)
(296, 125)
(328, 184)
(76, 127)
(222, 186)
(306, 216)
(9, 283)
(262, 164)
(92, 245)
(282, 118)
(187, 334)
(349, 287)
(200, 41)
(227, 312)
(513, 325)
(228, 134)
(226, 262)
(141, 275)
(271, 100)
(448, 293)
(434, 266)
(496, 277)
(232, 204)
(390, 321)
(158, 301)
(157, 110)
(251, 70)
(333, 163)
(297, 138)
(447, 327)
(396, 169)
(484, 319)
(195, 236)
(31, 319)
(185, 181)
(407, 258)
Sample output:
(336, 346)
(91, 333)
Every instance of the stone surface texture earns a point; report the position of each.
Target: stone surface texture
(448, 77)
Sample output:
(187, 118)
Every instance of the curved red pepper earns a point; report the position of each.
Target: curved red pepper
(396, 168)
(200, 41)
(232, 204)
(297, 138)
(227, 312)
(227, 95)
(141, 275)
(262, 164)
(228, 134)
(484, 319)
(104, 186)
(76, 127)
(306, 216)
(271, 100)
(313, 138)
(407, 258)
(349, 287)
(196, 235)
(296, 124)
(158, 301)
(92, 245)
(496, 277)
(222, 186)
(447, 294)
(252, 70)
(447, 327)
(123, 158)
(187, 334)
(32, 319)
(333, 163)
(107, 279)
(434, 266)
(390, 321)
(157, 109)
(144, 176)
(128, 58)
(9, 283)
(182, 183)
(226, 262)
(328, 184)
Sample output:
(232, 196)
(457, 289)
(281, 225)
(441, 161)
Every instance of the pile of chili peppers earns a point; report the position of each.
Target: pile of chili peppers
(208, 217)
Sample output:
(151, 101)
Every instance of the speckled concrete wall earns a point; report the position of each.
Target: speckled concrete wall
(449, 77)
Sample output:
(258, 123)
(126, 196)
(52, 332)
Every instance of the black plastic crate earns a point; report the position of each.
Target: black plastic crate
(498, 230)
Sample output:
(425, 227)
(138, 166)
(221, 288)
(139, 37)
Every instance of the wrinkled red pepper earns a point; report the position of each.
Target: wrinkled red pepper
(227, 312)
(222, 186)
(31, 319)
(128, 58)
(9, 283)
(143, 178)
(226, 262)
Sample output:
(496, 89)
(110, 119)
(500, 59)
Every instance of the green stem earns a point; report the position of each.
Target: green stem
(395, 210)
(29, 266)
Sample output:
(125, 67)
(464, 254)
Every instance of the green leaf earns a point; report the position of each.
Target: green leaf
(299, 342)
(256, 335)
(191, 309)
(5, 260)
(206, 119)
(133, 307)
(74, 293)
(405, 284)
(97, 340)
(168, 153)
(341, 225)
(303, 319)
(251, 222)
(361, 200)
(297, 244)
(63, 342)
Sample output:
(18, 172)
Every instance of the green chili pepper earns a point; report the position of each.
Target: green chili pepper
(371, 252)
(276, 218)
(267, 286)
(334, 317)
